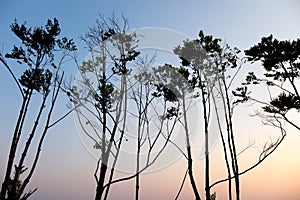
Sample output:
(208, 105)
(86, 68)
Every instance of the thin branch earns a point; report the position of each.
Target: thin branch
(38, 151)
(256, 164)
(182, 184)
(64, 116)
(12, 74)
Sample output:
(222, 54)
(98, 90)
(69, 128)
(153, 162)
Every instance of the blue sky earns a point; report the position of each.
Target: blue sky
(240, 23)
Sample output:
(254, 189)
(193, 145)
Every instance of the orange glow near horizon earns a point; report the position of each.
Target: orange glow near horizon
(276, 178)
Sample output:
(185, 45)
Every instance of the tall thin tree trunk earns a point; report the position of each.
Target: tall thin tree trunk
(223, 139)
(14, 143)
(206, 137)
(189, 153)
(234, 154)
(123, 88)
(106, 149)
(104, 152)
(100, 184)
(207, 188)
(137, 178)
(39, 148)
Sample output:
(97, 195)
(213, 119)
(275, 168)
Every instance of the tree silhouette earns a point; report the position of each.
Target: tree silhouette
(151, 91)
(280, 59)
(193, 58)
(176, 86)
(211, 69)
(42, 76)
(106, 86)
(101, 93)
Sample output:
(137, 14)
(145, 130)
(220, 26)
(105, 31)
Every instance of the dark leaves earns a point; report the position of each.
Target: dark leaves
(172, 112)
(242, 95)
(120, 64)
(283, 103)
(64, 43)
(166, 92)
(103, 96)
(274, 54)
(39, 43)
(19, 54)
(36, 79)
(251, 79)
(209, 43)
(281, 61)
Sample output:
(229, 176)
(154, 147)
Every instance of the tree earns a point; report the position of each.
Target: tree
(176, 87)
(195, 58)
(243, 95)
(280, 60)
(106, 86)
(211, 69)
(150, 89)
(154, 126)
(43, 77)
(101, 93)
(224, 61)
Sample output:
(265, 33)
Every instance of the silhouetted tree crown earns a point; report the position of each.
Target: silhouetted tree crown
(281, 61)
(39, 46)
(37, 52)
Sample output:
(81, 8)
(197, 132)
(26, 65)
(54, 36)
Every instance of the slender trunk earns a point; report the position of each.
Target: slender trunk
(39, 149)
(207, 188)
(190, 171)
(24, 153)
(189, 153)
(234, 158)
(105, 155)
(104, 152)
(121, 137)
(100, 184)
(14, 144)
(19, 168)
(227, 110)
(223, 144)
(137, 178)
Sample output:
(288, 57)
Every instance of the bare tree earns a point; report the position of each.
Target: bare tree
(43, 77)
(145, 93)
(103, 93)
(154, 127)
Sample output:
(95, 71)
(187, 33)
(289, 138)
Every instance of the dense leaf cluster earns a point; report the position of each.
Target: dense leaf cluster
(281, 60)
(37, 52)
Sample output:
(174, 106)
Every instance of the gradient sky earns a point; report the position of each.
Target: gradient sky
(65, 169)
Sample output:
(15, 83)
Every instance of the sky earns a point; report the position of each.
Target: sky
(65, 170)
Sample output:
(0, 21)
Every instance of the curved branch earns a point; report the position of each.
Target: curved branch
(12, 74)
(256, 164)
(182, 183)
